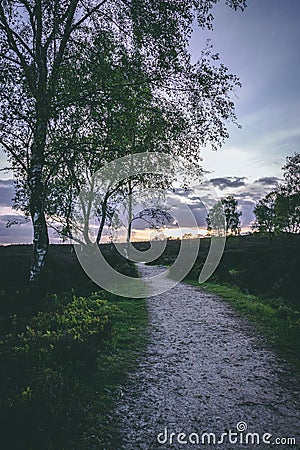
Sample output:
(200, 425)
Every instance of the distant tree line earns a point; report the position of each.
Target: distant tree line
(279, 210)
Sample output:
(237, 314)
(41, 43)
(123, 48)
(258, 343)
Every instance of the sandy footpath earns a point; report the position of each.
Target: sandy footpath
(206, 371)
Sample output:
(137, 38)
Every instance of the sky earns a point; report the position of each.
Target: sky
(260, 45)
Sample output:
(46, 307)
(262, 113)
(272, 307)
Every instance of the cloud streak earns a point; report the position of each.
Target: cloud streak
(228, 182)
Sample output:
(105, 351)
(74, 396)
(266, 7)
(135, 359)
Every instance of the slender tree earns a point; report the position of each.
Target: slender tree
(215, 220)
(288, 196)
(265, 214)
(232, 215)
(225, 209)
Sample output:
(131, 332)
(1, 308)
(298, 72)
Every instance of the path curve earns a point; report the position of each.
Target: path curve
(205, 370)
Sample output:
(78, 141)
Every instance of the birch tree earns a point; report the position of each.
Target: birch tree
(38, 37)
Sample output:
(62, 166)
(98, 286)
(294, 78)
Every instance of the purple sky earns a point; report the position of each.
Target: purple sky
(261, 46)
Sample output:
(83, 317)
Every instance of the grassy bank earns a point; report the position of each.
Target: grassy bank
(279, 323)
(253, 263)
(64, 357)
(62, 368)
(127, 342)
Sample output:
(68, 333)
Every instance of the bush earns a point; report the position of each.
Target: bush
(45, 365)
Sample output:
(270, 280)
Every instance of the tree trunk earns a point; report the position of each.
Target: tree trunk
(37, 193)
(271, 234)
(129, 226)
(103, 218)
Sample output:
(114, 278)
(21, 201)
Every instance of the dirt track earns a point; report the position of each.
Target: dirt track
(205, 370)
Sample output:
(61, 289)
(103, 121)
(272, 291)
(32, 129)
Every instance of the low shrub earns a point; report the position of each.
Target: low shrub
(45, 366)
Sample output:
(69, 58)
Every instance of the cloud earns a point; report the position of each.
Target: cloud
(6, 183)
(4, 218)
(279, 136)
(17, 233)
(246, 206)
(268, 181)
(246, 193)
(258, 189)
(228, 182)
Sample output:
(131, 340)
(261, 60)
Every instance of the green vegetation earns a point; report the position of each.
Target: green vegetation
(252, 263)
(61, 371)
(224, 217)
(273, 318)
(63, 360)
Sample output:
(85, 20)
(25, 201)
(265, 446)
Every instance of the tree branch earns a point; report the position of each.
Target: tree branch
(8, 58)
(87, 15)
(13, 45)
(18, 37)
(14, 154)
(51, 36)
(65, 234)
(63, 43)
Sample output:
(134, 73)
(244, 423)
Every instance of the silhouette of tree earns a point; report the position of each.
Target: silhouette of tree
(265, 213)
(288, 196)
(225, 209)
(279, 211)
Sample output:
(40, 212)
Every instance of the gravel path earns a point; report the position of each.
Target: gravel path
(205, 370)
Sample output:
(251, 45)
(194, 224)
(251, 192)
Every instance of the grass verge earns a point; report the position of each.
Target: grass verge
(123, 349)
(279, 323)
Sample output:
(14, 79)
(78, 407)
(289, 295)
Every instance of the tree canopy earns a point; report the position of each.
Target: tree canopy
(55, 101)
(226, 208)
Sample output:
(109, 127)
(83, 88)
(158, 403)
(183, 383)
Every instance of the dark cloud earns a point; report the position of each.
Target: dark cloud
(268, 181)
(200, 214)
(251, 195)
(245, 204)
(21, 233)
(255, 191)
(229, 182)
(247, 196)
